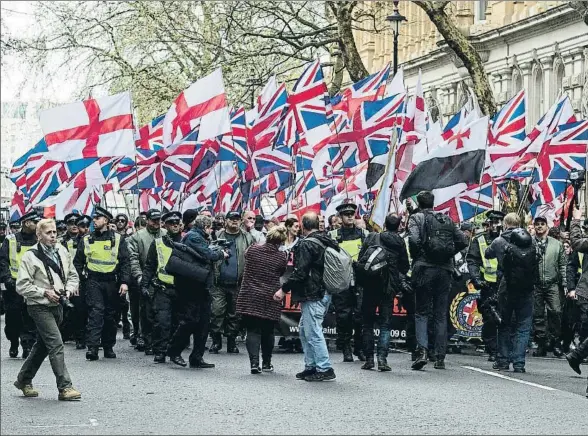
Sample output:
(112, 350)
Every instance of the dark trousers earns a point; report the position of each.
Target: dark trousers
(147, 317)
(194, 318)
(164, 310)
(49, 343)
(376, 299)
(123, 315)
(347, 306)
(408, 302)
(431, 287)
(80, 315)
(547, 299)
(18, 323)
(134, 307)
(489, 328)
(102, 299)
(224, 311)
(260, 333)
(514, 332)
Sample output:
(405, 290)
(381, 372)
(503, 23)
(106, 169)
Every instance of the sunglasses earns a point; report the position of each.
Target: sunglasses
(121, 221)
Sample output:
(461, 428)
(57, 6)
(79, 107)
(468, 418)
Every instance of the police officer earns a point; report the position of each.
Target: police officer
(79, 301)
(348, 303)
(61, 229)
(483, 276)
(2, 238)
(14, 226)
(162, 283)
(121, 222)
(18, 322)
(70, 241)
(105, 261)
(2, 231)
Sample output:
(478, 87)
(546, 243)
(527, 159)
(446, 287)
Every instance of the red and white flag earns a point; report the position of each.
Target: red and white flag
(88, 129)
(204, 106)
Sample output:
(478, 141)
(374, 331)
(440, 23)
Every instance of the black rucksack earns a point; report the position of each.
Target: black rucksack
(520, 268)
(438, 243)
(373, 262)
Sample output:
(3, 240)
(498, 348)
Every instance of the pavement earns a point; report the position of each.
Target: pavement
(133, 395)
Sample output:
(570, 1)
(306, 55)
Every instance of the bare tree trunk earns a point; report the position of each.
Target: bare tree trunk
(337, 79)
(342, 10)
(464, 50)
(582, 8)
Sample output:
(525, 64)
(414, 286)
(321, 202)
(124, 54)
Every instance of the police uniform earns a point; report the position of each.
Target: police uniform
(70, 242)
(18, 323)
(2, 238)
(348, 303)
(162, 287)
(104, 260)
(485, 270)
(79, 301)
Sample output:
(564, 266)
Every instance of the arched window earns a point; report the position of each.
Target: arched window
(537, 93)
(558, 75)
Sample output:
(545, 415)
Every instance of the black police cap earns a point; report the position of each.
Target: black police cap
(73, 217)
(31, 216)
(171, 216)
(100, 211)
(84, 221)
(153, 214)
(346, 208)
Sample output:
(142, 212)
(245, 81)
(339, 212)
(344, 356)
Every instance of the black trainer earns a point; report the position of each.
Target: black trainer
(347, 354)
(439, 364)
(383, 364)
(109, 353)
(360, 355)
(574, 362)
(178, 360)
(307, 372)
(13, 352)
(217, 344)
(327, 375)
(500, 367)
(92, 353)
(26, 352)
(369, 363)
(80, 345)
(232, 346)
(421, 360)
(159, 358)
(267, 367)
(519, 370)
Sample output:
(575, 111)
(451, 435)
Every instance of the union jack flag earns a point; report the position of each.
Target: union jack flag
(455, 124)
(233, 147)
(508, 125)
(476, 199)
(18, 172)
(566, 151)
(265, 127)
(150, 136)
(229, 197)
(369, 133)
(19, 206)
(266, 161)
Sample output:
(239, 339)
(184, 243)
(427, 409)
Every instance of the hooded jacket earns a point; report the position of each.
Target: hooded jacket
(306, 281)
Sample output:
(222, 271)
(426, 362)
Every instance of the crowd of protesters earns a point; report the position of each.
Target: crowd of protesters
(171, 279)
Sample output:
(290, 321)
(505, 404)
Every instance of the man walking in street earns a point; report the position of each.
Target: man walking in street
(138, 245)
(227, 278)
(121, 221)
(46, 275)
(348, 302)
(552, 276)
(433, 241)
(163, 284)
(307, 287)
(18, 323)
(104, 259)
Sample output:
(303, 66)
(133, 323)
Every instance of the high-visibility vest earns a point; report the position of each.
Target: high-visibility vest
(101, 256)
(489, 266)
(15, 253)
(352, 247)
(163, 254)
(71, 248)
(581, 258)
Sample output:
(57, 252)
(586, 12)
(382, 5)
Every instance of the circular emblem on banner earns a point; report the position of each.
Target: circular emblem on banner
(465, 316)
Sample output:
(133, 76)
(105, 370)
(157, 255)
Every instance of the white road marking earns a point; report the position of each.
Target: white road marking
(93, 423)
(505, 377)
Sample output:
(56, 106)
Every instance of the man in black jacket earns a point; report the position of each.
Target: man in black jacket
(431, 281)
(163, 284)
(103, 257)
(307, 287)
(379, 291)
(194, 298)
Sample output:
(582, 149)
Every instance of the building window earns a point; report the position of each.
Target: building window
(538, 93)
(480, 10)
(558, 80)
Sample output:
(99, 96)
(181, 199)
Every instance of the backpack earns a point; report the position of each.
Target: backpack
(374, 260)
(438, 245)
(337, 269)
(520, 269)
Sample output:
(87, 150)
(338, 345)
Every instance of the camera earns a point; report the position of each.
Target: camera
(490, 307)
(64, 301)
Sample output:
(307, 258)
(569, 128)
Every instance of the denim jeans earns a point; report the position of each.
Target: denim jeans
(431, 287)
(376, 299)
(316, 354)
(513, 347)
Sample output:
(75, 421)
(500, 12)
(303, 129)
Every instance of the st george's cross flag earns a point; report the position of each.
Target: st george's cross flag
(92, 128)
(203, 106)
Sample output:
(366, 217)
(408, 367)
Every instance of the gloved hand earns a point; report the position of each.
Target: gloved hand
(10, 283)
(477, 283)
(145, 292)
(406, 286)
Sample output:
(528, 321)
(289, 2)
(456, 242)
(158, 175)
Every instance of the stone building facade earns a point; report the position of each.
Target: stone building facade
(541, 46)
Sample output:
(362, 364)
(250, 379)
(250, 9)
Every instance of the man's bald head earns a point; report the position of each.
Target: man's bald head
(310, 222)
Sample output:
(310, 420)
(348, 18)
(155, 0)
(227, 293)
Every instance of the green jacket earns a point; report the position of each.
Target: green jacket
(242, 243)
(552, 263)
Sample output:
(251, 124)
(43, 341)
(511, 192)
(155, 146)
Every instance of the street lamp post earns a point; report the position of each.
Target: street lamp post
(396, 18)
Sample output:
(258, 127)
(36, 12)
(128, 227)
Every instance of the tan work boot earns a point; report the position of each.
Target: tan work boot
(69, 394)
(27, 390)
